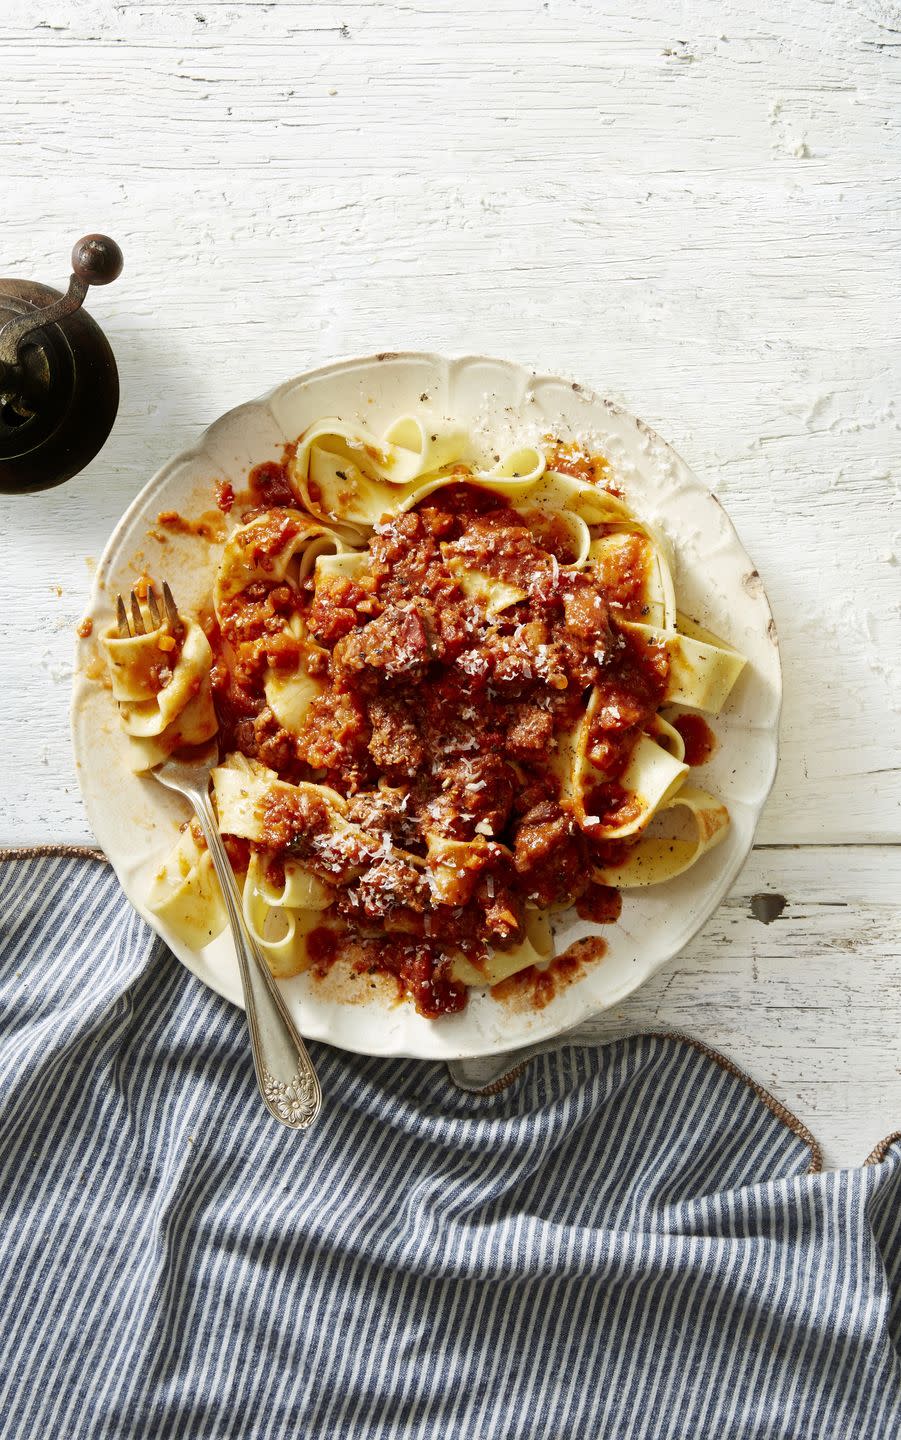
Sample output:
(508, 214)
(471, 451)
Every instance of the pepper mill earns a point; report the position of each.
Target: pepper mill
(59, 386)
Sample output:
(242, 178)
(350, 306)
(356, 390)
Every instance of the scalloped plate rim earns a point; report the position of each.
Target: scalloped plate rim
(544, 1025)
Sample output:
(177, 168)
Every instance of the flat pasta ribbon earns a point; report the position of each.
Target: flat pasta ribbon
(164, 702)
(658, 858)
(535, 948)
(280, 917)
(701, 674)
(349, 478)
(185, 893)
(277, 546)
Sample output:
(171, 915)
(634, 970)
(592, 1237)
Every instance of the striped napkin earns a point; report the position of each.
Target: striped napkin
(627, 1241)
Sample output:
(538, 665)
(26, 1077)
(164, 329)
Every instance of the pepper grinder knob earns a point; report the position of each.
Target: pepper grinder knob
(97, 260)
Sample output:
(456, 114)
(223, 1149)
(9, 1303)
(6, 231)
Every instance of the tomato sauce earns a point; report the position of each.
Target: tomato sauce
(437, 723)
(270, 485)
(600, 903)
(700, 741)
(572, 459)
(624, 575)
(536, 986)
(209, 526)
(419, 970)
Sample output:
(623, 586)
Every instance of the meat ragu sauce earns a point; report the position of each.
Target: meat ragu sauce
(699, 739)
(434, 717)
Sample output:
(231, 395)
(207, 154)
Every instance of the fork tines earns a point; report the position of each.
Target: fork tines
(137, 627)
(137, 619)
(171, 611)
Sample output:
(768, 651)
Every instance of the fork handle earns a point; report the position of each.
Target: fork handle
(285, 1073)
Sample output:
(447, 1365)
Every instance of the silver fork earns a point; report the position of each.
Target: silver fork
(285, 1074)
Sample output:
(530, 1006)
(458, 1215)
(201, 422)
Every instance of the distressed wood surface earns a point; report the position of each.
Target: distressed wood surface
(693, 208)
(806, 1003)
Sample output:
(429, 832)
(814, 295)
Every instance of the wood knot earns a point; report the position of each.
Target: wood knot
(767, 908)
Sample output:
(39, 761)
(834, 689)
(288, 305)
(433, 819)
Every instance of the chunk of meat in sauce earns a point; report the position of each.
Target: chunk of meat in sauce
(540, 787)
(405, 557)
(610, 806)
(623, 573)
(273, 745)
(395, 642)
(554, 534)
(292, 822)
(550, 854)
(388, 886)
(394, 744)
(629, 691)
(529, 732)
(502, 904)
(385, 809)
(423, 972)
(334, 734)
(585, 611)
(506, 549)
(333, 613)
(269, 536)
(514, 661)
(261, 609)
(476, 798)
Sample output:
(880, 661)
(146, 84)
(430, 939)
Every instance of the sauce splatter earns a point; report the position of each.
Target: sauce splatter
(210, 526)
(419, 972)
(600, 903)
(534, 988)
(587, 952)
(270, 486)
(225, 495)
(700, 741)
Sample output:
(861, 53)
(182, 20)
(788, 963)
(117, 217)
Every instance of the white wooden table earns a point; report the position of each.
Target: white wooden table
(696, 213)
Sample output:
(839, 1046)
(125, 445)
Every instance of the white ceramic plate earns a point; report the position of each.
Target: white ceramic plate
(136, 821)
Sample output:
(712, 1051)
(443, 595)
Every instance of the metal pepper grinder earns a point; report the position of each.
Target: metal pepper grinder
(59, 386)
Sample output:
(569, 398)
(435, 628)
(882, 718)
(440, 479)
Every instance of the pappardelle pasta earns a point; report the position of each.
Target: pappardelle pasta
(442, 692)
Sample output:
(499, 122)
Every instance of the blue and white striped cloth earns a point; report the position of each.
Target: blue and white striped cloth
(625, 1243)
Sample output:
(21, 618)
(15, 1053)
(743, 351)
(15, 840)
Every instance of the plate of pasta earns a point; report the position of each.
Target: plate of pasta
(495, 689)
